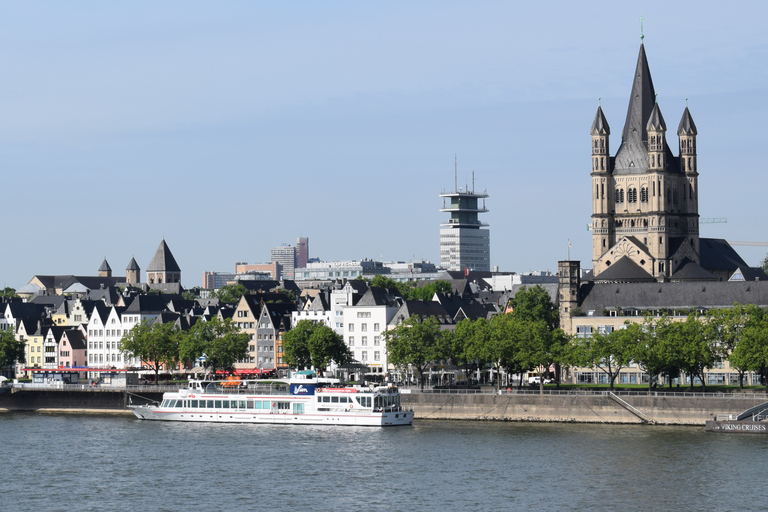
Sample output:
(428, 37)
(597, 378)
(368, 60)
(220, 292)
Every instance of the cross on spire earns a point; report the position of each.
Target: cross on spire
(642, 36)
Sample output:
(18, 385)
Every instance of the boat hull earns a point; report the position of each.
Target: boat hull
(373, 419)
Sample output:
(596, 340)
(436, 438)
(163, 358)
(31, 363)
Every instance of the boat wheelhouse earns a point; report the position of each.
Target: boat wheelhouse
(303, 399)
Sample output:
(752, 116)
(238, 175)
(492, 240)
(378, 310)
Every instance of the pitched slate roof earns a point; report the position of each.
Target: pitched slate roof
(715, 294)
(632, 156)
(163, 260)
(150, 303)
(423, 309)
(76, 339)
(690, 271)
(375, 296)
(105, 266)
(717, 254)
(749, 274)
(132, 265)
(687, 126)
(624, 270)
(600, 124)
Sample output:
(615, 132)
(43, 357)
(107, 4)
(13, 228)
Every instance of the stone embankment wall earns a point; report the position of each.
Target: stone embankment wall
(599, 408)
(666, 410)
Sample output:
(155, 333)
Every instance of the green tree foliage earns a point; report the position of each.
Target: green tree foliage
(651, 346)
(696, 350)
(467, 345)
(751, 352)
(725, 327)
(11, 350)
(157, 345)
(509, 344)
(231, 293)
(8, 293)
(289, 295)
(417, 343)
(222, 343)
(764, 263)
(311, 344)
(609, 352)
(410, 290)
(296, 345)
(544, 344)
(534, 304)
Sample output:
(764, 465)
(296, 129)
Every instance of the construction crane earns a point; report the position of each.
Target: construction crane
(704, 220)
(753, 244)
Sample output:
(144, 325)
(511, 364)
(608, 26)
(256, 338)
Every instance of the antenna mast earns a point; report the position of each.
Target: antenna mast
(455, 173)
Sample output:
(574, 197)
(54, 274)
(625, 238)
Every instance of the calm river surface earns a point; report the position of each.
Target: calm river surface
(69, 462)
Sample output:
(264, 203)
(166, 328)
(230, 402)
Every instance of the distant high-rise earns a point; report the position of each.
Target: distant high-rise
(302, 252)
(464, 245)
(285, 255)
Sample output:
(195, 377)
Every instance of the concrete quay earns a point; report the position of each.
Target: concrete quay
(573, 407)
(599, 407)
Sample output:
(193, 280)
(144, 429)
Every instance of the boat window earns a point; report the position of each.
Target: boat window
(172, 403)
(326, 399)
(319, 399)
(225, 404)
(210, 404)
(164, 403)
(250, 404)
(179, 403)
(241, 404)
(298, 408)
(217, 404)
(193, 404)
(334, 399)
(344, 400)
(283, 406)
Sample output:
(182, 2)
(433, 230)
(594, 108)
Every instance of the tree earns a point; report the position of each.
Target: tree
(697, 351)
(222, 343)
(230, 293)
(467, 345)
(157, 345)
(326, 346)
(608, 352)
(429, 290)
(651, 348)
(544, 344)
(764, 263)
(296, 345)
(11, 349)
(506, 344)
(535, 304)
(725, 327)
(8, 293)
(751, 351)
(415, 342)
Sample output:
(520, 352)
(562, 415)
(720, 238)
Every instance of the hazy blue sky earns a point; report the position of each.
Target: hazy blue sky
(232, 127)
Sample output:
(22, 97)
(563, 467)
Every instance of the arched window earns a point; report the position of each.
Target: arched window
(619, 195)
(653, 160)
(632, 195)
(644, 195)
(602, 163)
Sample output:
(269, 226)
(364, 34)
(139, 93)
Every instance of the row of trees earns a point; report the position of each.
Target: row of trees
(661, 346)
(526, 339)
(217, 344)
(410, 290)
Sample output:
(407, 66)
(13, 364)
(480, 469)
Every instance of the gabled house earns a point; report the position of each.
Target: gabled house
(73, 349)
(246, 317)
(364, 326)
(274, 320)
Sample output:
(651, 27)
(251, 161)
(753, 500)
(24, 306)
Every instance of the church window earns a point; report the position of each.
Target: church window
(654, 189)
(653, 160)
(674, 196)
(690, 191)
(690, 167)
(597, 191)
(632, 195)
(644, 195)
(602, 163)
(603, 242)
(619, 195)
(602, 191)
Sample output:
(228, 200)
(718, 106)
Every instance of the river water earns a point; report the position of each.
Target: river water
(102, 462)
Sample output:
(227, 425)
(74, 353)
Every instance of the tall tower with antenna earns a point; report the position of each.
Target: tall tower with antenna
(464, 244)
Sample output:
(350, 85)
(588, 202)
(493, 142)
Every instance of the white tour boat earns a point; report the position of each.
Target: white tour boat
(304, 399)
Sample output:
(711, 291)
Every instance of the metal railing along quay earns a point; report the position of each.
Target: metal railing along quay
(583, 392)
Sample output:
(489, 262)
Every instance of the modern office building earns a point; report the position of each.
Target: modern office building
(464, 244)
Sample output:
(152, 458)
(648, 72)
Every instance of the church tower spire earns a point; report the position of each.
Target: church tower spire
(646, 225)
